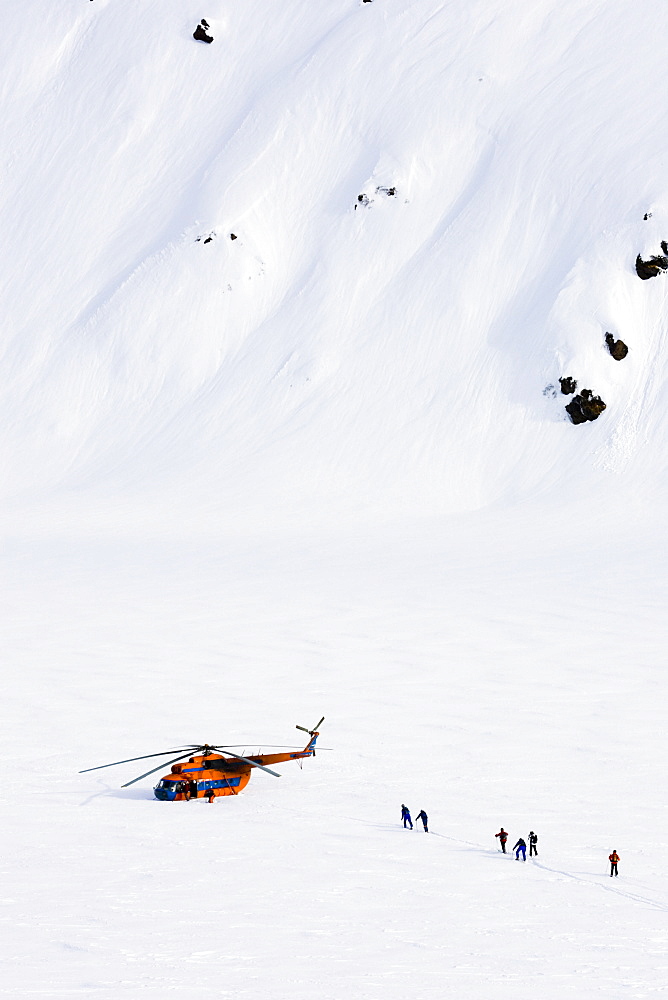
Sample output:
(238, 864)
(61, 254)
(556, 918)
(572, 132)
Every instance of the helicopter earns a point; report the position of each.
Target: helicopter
(211, 771)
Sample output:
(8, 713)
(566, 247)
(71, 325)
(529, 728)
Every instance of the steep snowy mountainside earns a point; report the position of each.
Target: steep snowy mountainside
(376, 357)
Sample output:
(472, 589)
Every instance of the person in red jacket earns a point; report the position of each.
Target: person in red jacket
(613, 859)
(503, 837)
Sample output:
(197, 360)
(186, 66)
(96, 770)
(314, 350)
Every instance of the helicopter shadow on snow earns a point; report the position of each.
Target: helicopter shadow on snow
(118, 793)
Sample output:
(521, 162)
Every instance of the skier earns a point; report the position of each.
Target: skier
(503, 837)
(406, 816)
(520, 846)
(423, 816)
(613, 859)
(533, 840)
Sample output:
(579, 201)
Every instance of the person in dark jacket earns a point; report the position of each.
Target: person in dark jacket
(613, 859)
(533, 844)
(423, 816)
(520, 846)
(503, 837)
(406, 817)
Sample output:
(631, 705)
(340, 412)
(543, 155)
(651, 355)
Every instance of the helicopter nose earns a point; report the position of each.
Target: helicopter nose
(164, 794)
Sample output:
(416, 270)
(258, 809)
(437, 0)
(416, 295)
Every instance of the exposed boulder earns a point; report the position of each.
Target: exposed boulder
(617, 348)
(650, 268)
(200, 32)
(568, 385)
(585, 406)
(363, 200)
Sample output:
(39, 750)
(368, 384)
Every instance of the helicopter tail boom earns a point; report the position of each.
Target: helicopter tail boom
(279, 758)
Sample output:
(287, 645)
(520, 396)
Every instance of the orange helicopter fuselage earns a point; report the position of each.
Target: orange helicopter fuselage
(214, 774)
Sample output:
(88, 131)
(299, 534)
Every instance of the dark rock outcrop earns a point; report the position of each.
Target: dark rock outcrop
(650, 268)
(585, 406)
(617, 348)
(568, 385)
(363, 200)
(200, 32)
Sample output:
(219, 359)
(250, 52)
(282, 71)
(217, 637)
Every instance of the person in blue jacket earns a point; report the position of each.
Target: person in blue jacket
(520, 846)
(425, 819)
(406, 816)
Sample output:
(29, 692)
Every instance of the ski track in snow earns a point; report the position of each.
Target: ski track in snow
(556, 871)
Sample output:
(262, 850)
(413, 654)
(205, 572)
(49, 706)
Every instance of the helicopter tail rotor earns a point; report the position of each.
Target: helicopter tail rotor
(311, 732)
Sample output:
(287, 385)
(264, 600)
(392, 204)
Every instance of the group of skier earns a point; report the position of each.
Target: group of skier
(408, 822)
(520, 847)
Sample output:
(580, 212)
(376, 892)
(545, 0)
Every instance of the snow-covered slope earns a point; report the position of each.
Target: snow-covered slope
(324, 467)
(389, 358)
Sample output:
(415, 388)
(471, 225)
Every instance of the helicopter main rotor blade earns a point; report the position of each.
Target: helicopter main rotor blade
(158, 768)
(231, 746)
(237, 756)
(145, 756)
(283, 746)
(253, 763)
(271, 746)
